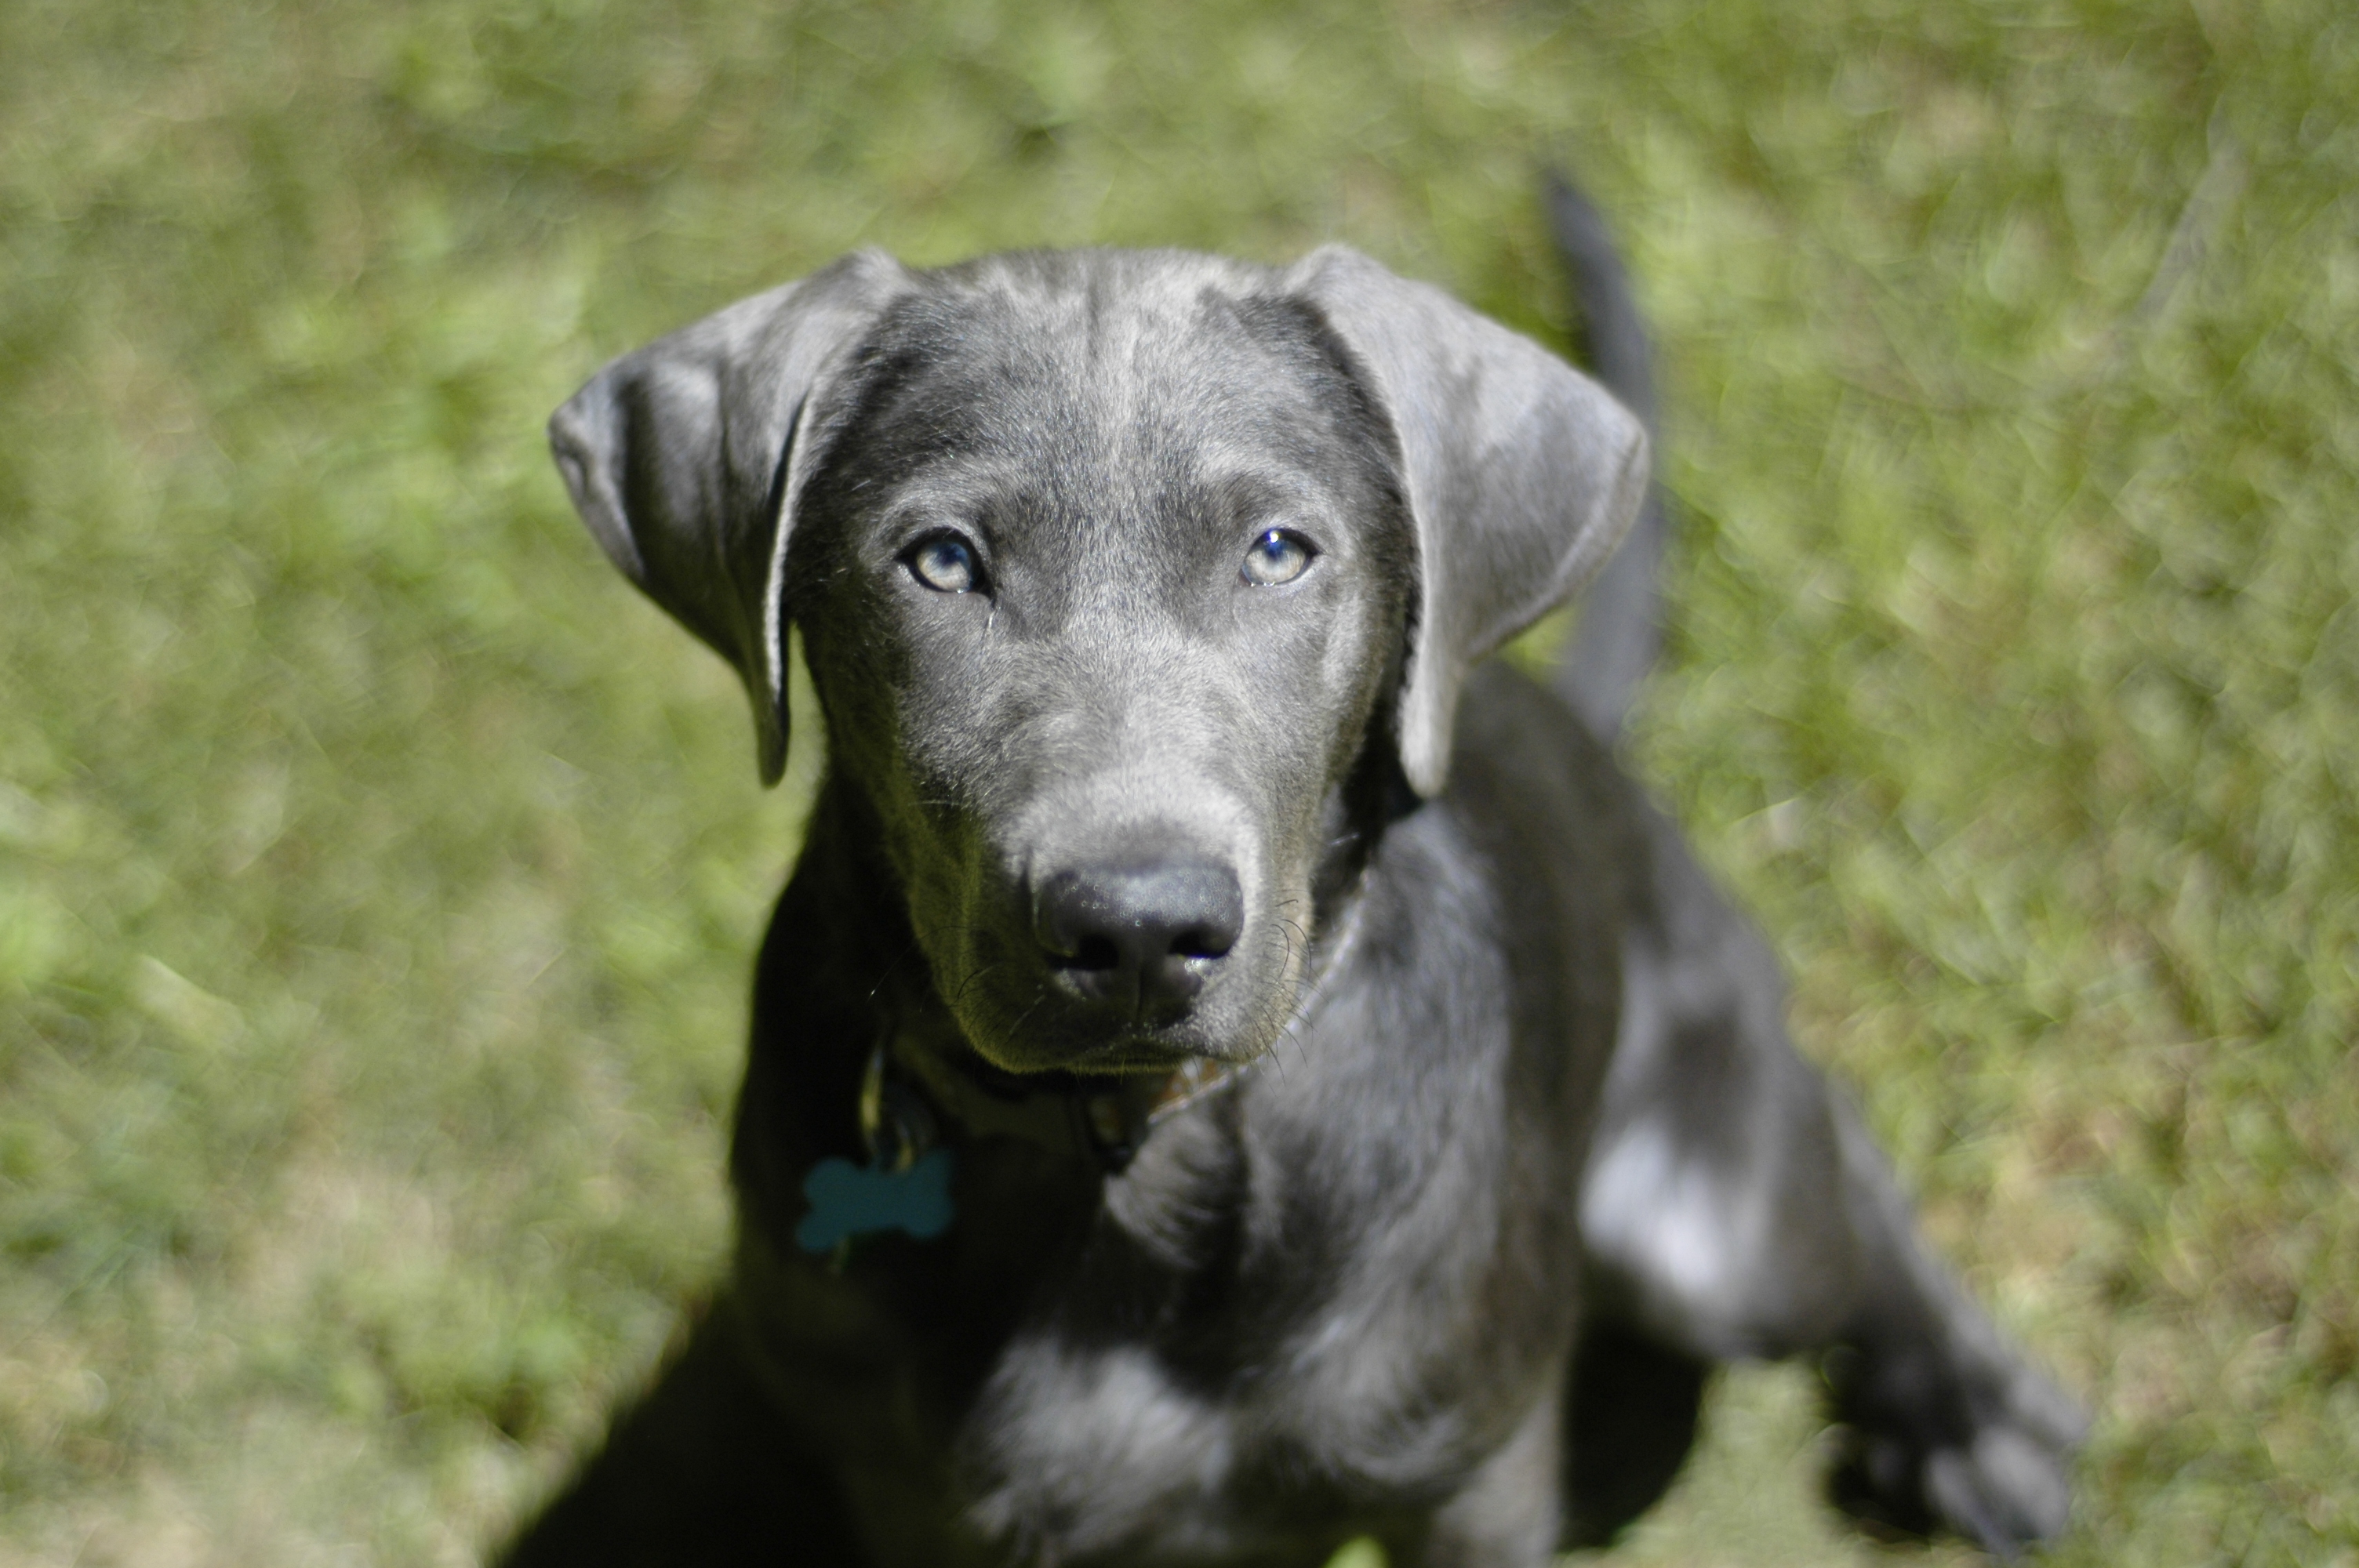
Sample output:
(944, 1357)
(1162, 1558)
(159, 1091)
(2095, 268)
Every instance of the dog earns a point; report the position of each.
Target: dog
(1232, 1071)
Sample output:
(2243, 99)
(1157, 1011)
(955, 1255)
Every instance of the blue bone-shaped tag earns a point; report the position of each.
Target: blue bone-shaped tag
(848, 1200)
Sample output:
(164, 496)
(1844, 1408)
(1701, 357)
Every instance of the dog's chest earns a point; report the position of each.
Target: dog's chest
(1215, 1428)
(1277, 1317)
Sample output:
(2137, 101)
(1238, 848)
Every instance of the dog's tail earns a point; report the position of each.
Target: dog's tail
(1619, 632)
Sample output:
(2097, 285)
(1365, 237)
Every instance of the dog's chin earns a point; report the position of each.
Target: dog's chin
(1076, 1042)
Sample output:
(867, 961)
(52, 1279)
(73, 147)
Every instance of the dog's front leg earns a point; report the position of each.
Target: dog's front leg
(1734, 1207)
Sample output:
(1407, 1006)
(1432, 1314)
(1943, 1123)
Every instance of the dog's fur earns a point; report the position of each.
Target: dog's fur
(1520, 1143)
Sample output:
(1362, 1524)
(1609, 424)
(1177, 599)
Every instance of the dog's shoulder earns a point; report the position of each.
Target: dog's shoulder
(1547, 800)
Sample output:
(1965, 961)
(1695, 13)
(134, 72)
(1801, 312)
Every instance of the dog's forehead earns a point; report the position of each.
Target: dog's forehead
(1110, 315)
(1113, 379)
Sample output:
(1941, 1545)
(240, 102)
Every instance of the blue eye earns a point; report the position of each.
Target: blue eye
(1278, 557)
(945, 563)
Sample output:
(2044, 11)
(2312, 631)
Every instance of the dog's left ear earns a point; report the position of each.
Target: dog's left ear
(1522, 475)
(686, 459)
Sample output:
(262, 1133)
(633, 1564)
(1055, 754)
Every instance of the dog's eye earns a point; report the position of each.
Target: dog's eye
(1280, 556)
(945, 563)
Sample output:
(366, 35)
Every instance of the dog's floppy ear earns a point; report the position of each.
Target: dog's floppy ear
(686, 459)
(1522, 475)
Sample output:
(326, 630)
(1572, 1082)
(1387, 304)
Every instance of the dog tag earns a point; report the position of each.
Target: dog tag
(905, 1186)
(848, 1200)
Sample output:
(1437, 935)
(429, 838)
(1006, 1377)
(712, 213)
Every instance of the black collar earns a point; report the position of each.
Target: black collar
(911, 1088)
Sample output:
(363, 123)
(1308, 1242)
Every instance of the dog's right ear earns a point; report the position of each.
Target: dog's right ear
(686, 459)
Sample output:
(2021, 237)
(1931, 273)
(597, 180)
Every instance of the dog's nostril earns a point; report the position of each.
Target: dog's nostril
(1203, 942)
(1094, 953)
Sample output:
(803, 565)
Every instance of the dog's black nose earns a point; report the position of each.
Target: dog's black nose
(1138, 936)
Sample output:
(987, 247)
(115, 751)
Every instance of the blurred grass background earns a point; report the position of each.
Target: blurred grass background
(379, 877)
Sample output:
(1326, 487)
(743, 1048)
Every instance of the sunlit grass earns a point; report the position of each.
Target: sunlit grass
(379, 876)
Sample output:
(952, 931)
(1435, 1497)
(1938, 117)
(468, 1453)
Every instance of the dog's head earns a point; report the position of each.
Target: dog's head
(1115, 571)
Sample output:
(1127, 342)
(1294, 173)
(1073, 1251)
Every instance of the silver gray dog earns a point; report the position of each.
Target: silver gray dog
(1231, 1072)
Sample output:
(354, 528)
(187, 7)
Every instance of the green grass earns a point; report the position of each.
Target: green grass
(379, 876)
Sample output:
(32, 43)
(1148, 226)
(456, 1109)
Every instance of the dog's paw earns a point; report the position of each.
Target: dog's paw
(1982, 1447)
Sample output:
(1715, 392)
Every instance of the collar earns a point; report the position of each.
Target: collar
(909, 1090)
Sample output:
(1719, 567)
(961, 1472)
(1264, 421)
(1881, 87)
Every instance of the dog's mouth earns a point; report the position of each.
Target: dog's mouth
(1132, 1057)
(1064, 1023)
